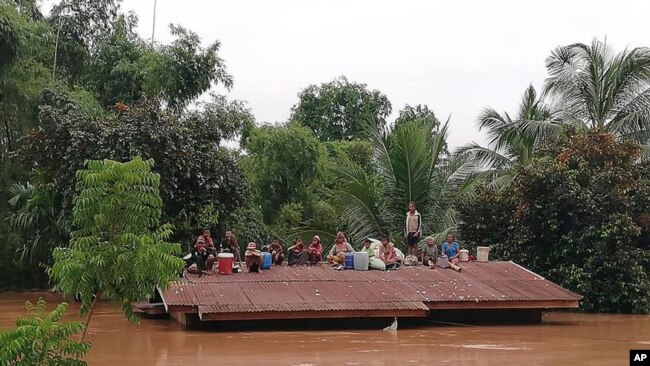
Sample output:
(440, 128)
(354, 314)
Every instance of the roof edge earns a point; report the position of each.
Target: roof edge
(528, 270)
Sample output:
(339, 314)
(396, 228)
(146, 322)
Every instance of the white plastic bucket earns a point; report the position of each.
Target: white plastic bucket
(482, 254)
(463, 255)
(361, 261)
(443, 262)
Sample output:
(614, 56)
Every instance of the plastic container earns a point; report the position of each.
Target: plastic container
(349, 261)
(463, 255)
(361, 261)
(482, 254)
(443, 261)
(225, 262)
(266, 260)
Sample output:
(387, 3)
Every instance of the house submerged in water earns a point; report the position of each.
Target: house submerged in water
(484, 291)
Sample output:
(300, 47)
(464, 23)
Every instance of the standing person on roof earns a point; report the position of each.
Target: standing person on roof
(209, 243)
(412, 229)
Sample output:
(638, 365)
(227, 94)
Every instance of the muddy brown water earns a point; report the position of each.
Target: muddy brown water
(562, 339)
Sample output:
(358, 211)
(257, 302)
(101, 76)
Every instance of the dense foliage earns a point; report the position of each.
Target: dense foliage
(578, 214)
(340, 109)
(42, 339)
(201, 181)
(80, 84)
(119, 250)
(282, 166)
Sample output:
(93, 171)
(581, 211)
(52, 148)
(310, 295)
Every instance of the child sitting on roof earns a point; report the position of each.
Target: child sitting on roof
(373, 261)
(387, 253)
(277, 252)
(253, 258)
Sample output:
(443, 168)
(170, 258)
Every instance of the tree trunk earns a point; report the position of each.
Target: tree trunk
(90, 314)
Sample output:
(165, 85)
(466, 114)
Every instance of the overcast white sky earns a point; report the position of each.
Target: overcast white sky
(455, 56)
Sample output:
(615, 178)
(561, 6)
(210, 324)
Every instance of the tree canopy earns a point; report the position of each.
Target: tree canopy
(340, 109)
(576, 215)
(119, 249)
(80, 85)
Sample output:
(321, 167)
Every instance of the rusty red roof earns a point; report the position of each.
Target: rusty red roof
(320, 288)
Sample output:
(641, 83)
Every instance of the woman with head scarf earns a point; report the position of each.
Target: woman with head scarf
(297, 253)
(315, 251)
(336, 256)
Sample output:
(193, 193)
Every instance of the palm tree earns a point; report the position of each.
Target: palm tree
(598, 89)
(508, 145)
(37, 218)
(412, 165)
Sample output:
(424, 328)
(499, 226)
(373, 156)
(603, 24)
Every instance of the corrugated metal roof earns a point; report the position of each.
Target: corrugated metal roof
(320, 288)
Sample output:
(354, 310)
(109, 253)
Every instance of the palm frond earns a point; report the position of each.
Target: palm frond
(533, 131)
(358, 200)
(502, 182)
(492, 121)
(600, 89)
(447, 224)
(485, 158)
(645, 151)
(438, 146)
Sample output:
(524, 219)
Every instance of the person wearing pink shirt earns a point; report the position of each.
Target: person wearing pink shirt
(315, 251)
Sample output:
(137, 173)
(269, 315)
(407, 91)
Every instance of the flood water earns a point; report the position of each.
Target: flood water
(562, 339)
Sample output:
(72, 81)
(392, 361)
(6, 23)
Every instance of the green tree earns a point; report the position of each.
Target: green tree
(281, 166)
(419, 113)
(577, 215)
(200, 179)
(340, 109)
(22, 76)
(507, 145)
(36, 219)
(9, 36)
(183, 70)
(42, 340)
(124, 68)
(115, 71)
(118, 250)
(599, 89)
(411, 166)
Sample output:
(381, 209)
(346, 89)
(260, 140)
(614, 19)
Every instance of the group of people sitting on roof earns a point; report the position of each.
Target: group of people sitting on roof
(204, 253)
(382, 255)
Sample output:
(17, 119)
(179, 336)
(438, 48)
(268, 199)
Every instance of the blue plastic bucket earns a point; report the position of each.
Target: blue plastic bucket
(349, 261)
(266, 260)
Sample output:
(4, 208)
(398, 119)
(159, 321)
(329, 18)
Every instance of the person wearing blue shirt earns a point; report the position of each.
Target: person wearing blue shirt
(450, 248)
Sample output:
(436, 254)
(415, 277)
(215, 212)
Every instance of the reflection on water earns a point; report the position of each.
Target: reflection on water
(562, 339)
